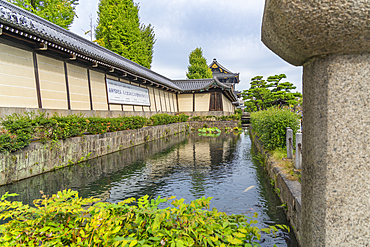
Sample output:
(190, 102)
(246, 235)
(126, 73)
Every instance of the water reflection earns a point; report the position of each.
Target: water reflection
(185, 166)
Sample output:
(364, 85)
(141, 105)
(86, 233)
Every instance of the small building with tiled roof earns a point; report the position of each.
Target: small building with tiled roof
(205, 97)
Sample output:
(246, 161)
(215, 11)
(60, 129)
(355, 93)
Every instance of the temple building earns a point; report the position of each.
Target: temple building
(224, 75)
(45, 67)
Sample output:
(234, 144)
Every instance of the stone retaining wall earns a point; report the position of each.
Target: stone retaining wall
(290, 191)
(38, 158)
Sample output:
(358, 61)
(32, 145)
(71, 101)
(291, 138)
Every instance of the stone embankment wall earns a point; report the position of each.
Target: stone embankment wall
(290, 191)
(39, 158)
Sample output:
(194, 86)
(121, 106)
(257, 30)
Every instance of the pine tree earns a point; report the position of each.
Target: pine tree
(119, 30)
(59, 12)
(282, 90)
(198, 68)
(263, 93)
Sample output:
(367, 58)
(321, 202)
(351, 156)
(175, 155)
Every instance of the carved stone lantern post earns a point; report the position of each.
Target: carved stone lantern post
(331, 40)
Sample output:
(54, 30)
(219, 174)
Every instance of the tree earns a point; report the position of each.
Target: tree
(119, 30)
(263, 94)
(258, 95)
(198, 68)
(282, 90)
(59, 12)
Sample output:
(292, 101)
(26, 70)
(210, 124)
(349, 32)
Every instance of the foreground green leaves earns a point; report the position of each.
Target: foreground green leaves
(65, 219)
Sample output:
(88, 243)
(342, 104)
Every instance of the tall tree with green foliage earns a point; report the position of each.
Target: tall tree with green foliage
(119, 30)
(263, 93)
(258, 95)
(282, 90)
(59, 12)
(198, 68)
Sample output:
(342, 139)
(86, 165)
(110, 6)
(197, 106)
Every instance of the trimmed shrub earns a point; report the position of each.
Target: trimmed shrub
(270, 125)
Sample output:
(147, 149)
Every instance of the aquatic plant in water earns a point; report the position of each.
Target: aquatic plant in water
(212, 132)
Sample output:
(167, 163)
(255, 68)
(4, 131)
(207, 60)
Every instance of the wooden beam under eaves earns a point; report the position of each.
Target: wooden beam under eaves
(43, 47)
(111, 70)
(73, 57)
(95, 65)
(1, 31)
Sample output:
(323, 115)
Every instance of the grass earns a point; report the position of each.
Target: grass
(279, 157)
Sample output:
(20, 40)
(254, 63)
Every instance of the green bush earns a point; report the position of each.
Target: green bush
(162, 118)
(270, 125)
(65, 219)
(18, 130)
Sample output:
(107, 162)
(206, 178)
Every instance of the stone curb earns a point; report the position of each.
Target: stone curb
(290, 191)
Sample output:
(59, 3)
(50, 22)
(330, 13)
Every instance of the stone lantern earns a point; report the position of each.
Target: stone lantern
(331, 40)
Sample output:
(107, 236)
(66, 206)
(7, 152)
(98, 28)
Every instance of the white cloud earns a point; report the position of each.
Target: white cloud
(226, 30)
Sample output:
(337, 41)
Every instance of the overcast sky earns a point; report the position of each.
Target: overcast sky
(229, 31)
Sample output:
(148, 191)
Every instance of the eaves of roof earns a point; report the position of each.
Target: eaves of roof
(201, 85)
(19, 20)
(220, 65)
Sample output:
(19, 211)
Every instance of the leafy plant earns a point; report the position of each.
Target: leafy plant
(270, 125)
(212, 132)
(59, 12)
(65, 219)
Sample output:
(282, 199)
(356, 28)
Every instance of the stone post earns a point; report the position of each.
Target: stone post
(298, 151)
(330, 39)
(289, 147)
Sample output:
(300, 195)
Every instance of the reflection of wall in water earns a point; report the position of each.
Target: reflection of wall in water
(82, 175)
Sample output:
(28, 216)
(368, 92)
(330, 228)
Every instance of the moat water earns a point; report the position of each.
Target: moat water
(186, 166)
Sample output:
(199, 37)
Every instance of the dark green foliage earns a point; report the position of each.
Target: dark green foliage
(59, 12)
(270, 125)
(18, 130)
(198, 68)
(161, 119)
(65, 219)
(263, 94)
(119, 30)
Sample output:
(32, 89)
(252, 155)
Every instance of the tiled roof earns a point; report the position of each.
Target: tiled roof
(193, 84)
(36, 28)
(224, 76)
(219, 65)
(199, 84)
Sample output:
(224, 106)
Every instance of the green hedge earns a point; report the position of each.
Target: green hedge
(18, 130)
(161, 119)
(270, 125)
(65, 219)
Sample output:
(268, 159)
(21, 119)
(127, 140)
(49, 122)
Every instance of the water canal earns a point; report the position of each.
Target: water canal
(187, 166)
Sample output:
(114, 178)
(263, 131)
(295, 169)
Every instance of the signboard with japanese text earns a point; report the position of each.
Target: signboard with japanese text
(126, 94)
